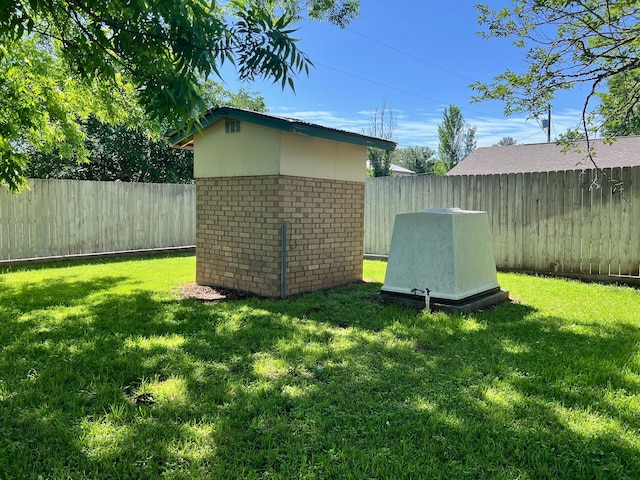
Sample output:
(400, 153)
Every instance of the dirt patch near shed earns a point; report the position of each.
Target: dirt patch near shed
(204, 293)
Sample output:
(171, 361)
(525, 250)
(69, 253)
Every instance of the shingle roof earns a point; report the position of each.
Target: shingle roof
(184, 139)
(548, 157)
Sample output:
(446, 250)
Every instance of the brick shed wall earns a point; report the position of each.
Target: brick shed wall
(239, 222)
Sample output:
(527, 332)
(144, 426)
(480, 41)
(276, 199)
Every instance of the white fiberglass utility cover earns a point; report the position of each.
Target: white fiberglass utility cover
(448, 251)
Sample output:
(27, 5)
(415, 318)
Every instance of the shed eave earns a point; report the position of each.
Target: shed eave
(184, 139)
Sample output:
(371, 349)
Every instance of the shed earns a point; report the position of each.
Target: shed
(279, 202)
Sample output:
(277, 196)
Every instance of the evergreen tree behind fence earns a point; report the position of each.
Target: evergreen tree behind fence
(542, 222)
(74, 217)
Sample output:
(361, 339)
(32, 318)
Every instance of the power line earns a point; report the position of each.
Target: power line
(418, 95)
(407, 92)
(419, 59)
(375, 82)
(528, 136)
(410, 55)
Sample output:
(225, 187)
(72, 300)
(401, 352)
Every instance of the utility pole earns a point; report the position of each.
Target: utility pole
(547, 124)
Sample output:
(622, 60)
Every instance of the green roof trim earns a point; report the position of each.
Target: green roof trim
(185, 138)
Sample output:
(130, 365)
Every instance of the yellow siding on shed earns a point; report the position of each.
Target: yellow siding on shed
(311, 157)
(254, 150)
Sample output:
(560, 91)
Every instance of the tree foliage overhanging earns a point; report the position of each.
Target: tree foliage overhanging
(122, 153)
(620, 105)
(116, 153)
(123, 60)
(585, 43)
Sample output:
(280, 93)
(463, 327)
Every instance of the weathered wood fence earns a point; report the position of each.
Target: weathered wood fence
(543, 222)
(69, 217)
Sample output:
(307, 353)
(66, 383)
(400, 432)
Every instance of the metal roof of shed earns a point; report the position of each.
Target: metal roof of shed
(185, 138)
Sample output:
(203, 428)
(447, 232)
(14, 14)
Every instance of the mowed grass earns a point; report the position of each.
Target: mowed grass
(105, 374)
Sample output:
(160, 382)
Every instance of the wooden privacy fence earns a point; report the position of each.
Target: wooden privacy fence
(543, 222)
(72, 217)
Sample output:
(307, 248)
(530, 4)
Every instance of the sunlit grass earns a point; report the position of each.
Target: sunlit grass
(105, 373)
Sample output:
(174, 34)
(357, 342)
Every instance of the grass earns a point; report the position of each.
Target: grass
(106, 374)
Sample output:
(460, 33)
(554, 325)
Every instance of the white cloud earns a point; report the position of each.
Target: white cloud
(357, 122)
(420, 128)
(491, 130)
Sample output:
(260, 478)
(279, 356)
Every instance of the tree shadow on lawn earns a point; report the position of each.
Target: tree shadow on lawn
(75, 262)
(53, 292)
(324, 385)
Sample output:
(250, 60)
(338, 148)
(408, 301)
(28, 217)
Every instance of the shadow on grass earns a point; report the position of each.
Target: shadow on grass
(73, 262)
(53, 292)
(326, 385)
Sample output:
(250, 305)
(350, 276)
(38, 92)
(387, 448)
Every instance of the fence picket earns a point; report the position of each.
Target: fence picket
(574, 210)
(517, 223)
(597, 230)
(625, 224)
(494, 212)
(614, 229)
(10, 228)
(633, 197)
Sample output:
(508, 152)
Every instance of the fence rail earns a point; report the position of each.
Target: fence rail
(71, 217)
(545, 222)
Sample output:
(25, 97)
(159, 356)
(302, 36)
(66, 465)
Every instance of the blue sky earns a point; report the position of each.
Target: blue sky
(419, 57)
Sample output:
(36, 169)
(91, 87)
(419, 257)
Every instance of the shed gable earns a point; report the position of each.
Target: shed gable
(236, 149)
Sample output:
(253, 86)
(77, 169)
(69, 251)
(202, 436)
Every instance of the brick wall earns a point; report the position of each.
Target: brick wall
(239, 222)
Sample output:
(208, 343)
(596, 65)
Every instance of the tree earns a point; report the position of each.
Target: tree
(457, 138)
(41, 103)
(506, 141)
(383, 125)
(215, 95)
(567, 43)
(416, 159)
(119, 152)
(620, 105)
(64, 59)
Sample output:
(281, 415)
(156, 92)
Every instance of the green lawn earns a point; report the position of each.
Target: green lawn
(106, 374)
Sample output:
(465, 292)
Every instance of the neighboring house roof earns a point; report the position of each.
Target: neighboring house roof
(396, 169)
(184, 139)
(548, 157)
